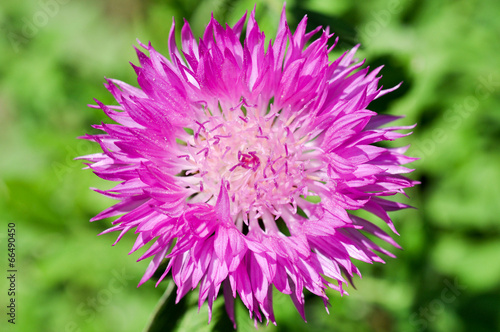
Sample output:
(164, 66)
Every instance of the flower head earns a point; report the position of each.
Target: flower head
(239, 163)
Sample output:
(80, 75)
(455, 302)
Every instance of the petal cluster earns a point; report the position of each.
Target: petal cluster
(241, 163)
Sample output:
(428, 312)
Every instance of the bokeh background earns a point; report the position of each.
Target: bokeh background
(54, 55)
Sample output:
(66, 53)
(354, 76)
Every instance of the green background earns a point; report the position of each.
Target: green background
(53, 59)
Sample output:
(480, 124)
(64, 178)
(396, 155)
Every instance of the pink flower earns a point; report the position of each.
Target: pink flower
(245, 160)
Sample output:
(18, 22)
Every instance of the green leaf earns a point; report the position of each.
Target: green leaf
(185, 316)
(167, 314)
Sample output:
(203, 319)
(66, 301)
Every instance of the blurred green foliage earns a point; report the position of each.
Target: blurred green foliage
(53, 56)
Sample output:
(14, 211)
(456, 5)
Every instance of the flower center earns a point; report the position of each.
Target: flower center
(260, 159)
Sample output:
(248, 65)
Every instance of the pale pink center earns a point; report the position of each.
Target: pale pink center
(265, 166)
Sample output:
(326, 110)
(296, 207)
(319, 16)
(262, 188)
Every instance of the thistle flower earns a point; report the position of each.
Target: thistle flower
(239, 164)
